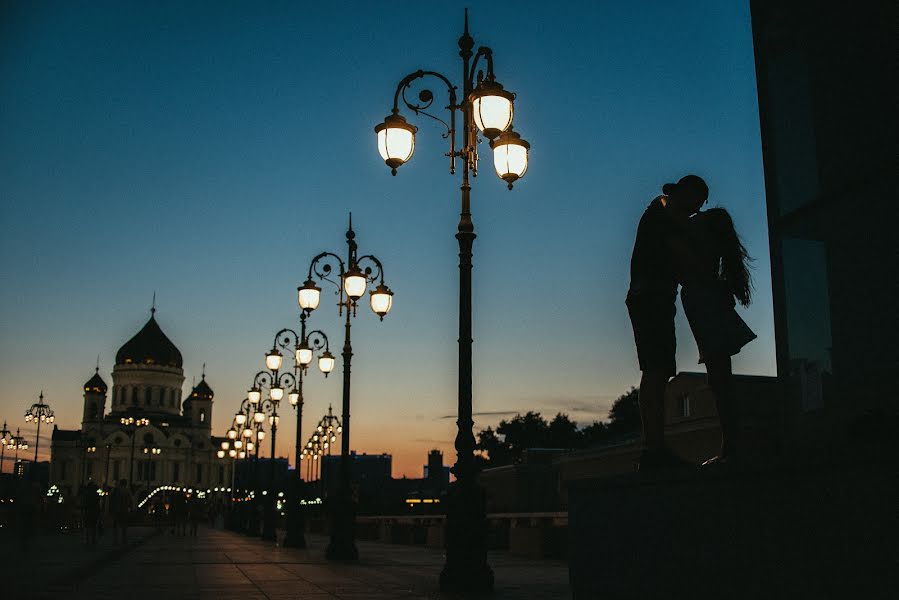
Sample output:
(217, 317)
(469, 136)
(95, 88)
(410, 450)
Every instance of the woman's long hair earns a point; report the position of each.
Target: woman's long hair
(734, 267)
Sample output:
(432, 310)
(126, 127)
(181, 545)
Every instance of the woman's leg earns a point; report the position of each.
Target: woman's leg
(721, 381)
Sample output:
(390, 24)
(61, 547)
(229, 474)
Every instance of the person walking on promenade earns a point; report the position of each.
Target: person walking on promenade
(90, 512)
(120, 502)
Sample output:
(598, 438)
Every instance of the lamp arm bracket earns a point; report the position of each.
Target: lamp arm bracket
(487, 54)
(322, 267)
(289, 341)
(370, 274)
(317, 340)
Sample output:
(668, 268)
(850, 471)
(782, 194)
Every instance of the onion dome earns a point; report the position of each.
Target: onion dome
(96, 384)
(150, 346)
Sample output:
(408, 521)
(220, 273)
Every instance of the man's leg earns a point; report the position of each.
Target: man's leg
(652, 409)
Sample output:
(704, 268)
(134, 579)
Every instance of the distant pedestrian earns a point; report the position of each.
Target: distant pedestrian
(120, 508)
(28, 505)
(90, 512)
(179, 514)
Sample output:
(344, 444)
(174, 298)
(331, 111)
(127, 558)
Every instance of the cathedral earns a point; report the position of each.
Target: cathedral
(150, 436)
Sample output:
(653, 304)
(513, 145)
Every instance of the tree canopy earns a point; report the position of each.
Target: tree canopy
(507, 443)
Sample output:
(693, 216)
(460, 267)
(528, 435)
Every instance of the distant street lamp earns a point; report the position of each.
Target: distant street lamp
(131, 425)
(303, 346)
(486, 107)
(39, 412)
(276, 383)
(354, 277)
(5, 436)
(16, 442)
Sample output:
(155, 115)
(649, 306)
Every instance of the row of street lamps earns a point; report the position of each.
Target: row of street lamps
(484, 108)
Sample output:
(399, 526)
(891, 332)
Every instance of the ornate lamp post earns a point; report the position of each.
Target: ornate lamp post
(276, 384)
(304, 347)
(16, 442)
(486, 107)
(354, 277)
(5, 437)
(131, 425)
(39, 412)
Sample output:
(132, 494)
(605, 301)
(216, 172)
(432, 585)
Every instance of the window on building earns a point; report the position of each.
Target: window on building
(176, 473)
(684, 405)
(221, 475)
(63, 469)
(199, 473)
(203, 415)
(115, 469)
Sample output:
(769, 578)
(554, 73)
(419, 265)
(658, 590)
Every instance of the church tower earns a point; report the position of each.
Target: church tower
(198, 406)
(94, 399)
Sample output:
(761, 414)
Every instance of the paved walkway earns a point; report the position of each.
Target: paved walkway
(222, 565)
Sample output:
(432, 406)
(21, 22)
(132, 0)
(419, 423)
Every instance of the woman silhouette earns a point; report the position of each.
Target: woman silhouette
(719, 280)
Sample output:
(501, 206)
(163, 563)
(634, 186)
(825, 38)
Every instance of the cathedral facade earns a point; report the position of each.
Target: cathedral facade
(148, 434)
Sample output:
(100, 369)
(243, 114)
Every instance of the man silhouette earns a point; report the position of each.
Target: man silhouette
(661, 258)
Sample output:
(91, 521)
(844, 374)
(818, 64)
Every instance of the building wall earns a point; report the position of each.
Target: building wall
(829, 145)
(146, 387)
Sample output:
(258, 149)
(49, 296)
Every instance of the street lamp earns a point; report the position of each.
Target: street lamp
(304, 346)
(39, 412)
(16, 442)
(354, 276)
(131, 425)
(276, 383)
(5, 437)
(487, 107)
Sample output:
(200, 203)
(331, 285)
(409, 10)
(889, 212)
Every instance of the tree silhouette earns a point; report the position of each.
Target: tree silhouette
(507, 444)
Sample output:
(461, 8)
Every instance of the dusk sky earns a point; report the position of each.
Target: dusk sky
(206, 152)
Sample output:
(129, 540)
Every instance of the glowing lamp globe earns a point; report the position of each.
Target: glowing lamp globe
(276, 393)
(273, 359)
(396, 141)
(293, 397)
(304, 354)
(240, 418)
(354, 283)
(309, 295)
(381, 300)
(492, 108)
(326, 362)
(510, 156)
(254, 395)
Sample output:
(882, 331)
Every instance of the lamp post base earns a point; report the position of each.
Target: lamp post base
(342, 546)
(296, 521)
(466, 568)
(269, 533)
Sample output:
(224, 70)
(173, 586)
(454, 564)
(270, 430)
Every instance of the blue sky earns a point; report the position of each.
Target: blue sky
(206, 151)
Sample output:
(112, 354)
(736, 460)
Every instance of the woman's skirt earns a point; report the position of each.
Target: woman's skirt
(711, 312)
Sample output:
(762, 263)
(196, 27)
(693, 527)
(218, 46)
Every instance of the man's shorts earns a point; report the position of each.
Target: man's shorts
(652, 317)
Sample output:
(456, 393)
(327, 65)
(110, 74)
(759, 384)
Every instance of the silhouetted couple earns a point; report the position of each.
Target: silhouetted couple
(700, 251)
